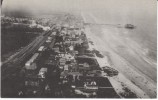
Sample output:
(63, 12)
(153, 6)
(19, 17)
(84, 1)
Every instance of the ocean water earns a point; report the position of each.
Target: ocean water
(140, 13)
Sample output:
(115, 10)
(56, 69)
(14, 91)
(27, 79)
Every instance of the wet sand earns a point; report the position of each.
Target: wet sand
(126, 56)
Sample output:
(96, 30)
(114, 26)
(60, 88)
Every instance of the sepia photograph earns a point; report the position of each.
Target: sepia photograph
(79, 49)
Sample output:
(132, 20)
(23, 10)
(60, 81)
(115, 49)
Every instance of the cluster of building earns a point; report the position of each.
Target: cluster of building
(6, 19)
(62, 67)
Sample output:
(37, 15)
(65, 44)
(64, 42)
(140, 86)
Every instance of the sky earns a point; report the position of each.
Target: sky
(77, 5)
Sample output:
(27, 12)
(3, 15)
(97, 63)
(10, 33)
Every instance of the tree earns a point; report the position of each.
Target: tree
(1, 2)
